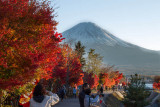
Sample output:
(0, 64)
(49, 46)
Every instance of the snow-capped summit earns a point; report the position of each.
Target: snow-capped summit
(127, 57)
(90, 32)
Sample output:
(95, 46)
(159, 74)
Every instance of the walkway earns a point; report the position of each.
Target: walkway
(72, 102)
(69, 102)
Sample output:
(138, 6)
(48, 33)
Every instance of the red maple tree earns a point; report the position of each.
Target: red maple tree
(111, 78)
(91, 79)
(69, 66)
(156, 84)
(28, 41)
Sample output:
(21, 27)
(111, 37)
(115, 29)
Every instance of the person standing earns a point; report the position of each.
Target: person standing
(62, 93)
(74, 92)
(43, 98)
(89, 101)
(70, 92)
(78, 91)
(65, 91)
(82, 94)
(101, 89)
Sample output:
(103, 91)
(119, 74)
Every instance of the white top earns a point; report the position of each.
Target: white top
(93, 101)
(47, 101)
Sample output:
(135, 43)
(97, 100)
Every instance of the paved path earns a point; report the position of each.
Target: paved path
(72, 102)
(69, 102)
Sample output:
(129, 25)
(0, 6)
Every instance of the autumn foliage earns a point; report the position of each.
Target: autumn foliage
(30, 50)
(156, 84)
(68, 66)
(118, 76)
(28, 42)
(124, 83)
(92, 79)
(111, 78)
(108, 79)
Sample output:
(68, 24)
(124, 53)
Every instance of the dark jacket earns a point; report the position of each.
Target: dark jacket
(81, 98)
(61, 93)
(101, 89)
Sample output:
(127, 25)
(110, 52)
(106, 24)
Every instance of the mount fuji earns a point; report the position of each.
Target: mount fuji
(127, 57)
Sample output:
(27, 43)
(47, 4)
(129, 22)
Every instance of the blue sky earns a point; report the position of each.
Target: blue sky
(135, 21)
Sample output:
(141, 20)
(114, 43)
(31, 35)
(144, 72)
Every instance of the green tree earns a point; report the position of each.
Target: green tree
(136, 94)
(94, 62)
(80, 49)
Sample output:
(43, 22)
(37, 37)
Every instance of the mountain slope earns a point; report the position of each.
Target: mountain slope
(127, 57)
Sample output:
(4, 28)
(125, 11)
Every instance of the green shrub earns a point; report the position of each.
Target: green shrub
(136, 94)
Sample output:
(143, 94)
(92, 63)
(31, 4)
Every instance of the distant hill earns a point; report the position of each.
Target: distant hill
(127, 57)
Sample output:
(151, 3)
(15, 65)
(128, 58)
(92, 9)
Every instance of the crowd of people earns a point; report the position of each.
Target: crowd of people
(44, 98)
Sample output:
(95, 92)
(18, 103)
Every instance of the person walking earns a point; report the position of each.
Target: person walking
(74, 92)
(43, 98)
(82, 94)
